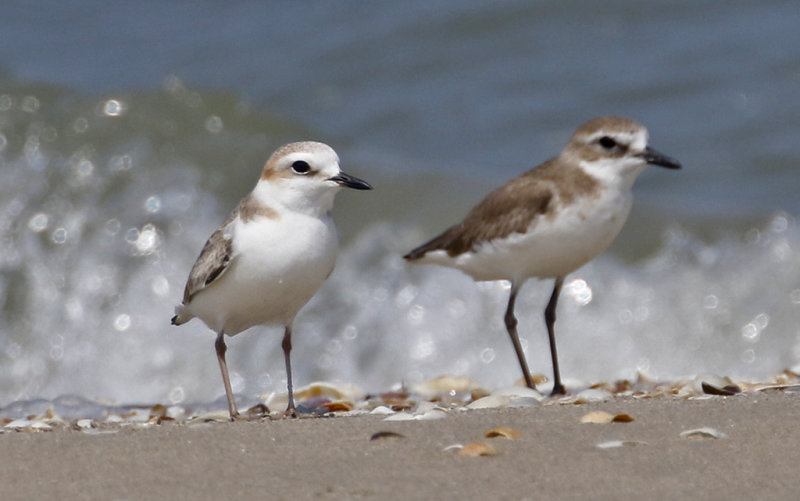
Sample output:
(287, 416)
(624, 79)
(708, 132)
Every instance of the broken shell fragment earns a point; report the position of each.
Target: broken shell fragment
(477, 449)
(258, 410)
(158, 410)
(616, 444)
(385, 434)
(705, 432)
(597, 417)
(727, 390)
(602, 417)
(453, 447)
(622, 418)
(502, 431)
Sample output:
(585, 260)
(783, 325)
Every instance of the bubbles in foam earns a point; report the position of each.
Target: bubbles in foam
(114, 108)
(122, 322)
(38, 222)
(59, 236)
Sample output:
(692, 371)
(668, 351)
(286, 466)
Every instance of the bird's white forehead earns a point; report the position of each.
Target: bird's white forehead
(305, 150)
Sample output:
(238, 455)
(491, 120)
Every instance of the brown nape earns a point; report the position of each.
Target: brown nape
(620, 124)
(248, 209)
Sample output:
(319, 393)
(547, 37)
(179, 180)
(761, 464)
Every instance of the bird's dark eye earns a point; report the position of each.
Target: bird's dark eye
(607, 143)
(301, 167)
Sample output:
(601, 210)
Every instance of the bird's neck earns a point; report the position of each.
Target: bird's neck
(313, 202)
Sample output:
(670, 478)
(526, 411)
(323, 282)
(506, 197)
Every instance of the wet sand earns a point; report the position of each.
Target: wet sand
(555, 457)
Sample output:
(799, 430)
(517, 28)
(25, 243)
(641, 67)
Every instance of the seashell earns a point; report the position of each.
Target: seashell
(490, 402)
(707, 384)
(502, 431)
(340, 406)
(597, 417)
(56, 420)
(428, 415)
(85, 424)
(705, 432)
(478, 393)
(385, 434)
(382, 409)
(41, 426)
(396, 400)
(727, 390)
(158, 410)
(615, 444)
(331, 391)
(623, 418)
(538, 379)
(474, 449)
(28, 425)
(19, 424)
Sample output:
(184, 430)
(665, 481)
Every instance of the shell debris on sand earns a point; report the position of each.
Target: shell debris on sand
(477, 449)
(502, 431)
(701, 433)
(442, 396)
(616, 444)
(424, 411)
(319, 395)
(378, 435)
(602, 417)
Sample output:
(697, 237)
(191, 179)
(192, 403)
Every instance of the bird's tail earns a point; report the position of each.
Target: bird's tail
(437, 243)
(182, 315)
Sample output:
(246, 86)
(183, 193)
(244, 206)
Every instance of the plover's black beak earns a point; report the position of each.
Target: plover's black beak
(654, 157)
(349, 181)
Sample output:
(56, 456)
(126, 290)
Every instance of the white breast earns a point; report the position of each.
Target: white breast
(277, 267)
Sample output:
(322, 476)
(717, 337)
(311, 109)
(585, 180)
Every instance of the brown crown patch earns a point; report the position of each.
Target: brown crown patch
(271, 172)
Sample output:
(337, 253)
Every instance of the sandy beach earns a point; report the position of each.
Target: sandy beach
(556, 456)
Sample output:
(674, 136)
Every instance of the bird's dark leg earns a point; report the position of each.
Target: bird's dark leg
(223, 366)
(550, 319)
(511, 326)
(287, 349)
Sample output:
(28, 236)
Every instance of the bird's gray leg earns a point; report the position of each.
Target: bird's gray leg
(550, 319)
(511, 326)
(223, 366)
(287, 349)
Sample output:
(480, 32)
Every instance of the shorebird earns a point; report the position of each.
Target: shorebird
(271, 255)
(551, 220)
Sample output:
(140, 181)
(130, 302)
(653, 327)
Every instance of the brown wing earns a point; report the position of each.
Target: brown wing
(212, 262)
(506, 210)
